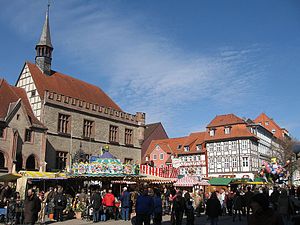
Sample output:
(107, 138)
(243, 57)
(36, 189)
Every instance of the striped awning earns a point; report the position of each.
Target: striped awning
(122, 182)
(188, 181)
(158, 180)
(43, 175)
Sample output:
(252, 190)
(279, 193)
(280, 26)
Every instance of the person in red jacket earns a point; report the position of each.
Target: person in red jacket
(109, 203)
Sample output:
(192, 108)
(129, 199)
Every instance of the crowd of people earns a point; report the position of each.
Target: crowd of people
(141, 205)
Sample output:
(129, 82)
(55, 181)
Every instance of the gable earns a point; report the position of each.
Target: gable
(27, 83)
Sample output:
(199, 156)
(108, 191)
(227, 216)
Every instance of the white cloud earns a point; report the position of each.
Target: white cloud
(146, 70)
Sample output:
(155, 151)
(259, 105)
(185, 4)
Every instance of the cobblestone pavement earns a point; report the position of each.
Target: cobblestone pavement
(225, 220)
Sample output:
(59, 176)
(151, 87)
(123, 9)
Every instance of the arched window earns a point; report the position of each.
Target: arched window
(30, 163)
(2, 160)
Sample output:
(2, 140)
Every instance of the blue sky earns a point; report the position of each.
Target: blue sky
(181, 62)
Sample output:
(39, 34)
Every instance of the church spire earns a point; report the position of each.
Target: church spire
(44, 48)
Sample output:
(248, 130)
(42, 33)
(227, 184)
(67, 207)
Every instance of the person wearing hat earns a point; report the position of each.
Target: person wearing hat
(262, 214)
(125, 204)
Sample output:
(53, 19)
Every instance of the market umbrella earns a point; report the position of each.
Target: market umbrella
(10, 177)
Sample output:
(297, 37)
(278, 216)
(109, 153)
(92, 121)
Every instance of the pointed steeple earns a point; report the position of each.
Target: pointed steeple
(45, 36)
(44, 48)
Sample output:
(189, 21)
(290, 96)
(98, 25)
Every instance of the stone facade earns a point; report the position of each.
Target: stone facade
(18, 153)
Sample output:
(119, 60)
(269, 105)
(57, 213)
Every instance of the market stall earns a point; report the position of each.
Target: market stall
(10, 177)
(218, 183)
(191, 182)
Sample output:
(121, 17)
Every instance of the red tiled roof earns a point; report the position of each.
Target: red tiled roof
(7, 96)
(223, 120)
(69, 86)
(192, 141)
(167, 145)
(11, 94)
(270, 125)
(237, 131)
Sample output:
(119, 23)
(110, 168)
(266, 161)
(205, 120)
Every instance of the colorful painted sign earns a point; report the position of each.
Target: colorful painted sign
(104, 166)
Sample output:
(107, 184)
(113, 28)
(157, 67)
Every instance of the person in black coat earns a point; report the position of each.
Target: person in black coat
(178, 207)
(32, 206)
(96, 201)
(60, 203)
(189, 209)
(213, 209)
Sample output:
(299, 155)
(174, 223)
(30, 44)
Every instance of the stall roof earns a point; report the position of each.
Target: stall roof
(158, 180)
(43, 175)
(220, 181)
(10, 177)
(189, 181)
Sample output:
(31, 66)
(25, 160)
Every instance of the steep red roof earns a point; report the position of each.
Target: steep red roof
(69, 86)
(222, 120)
(270, 125)
(237, 131)
(170, 146)
(192, 141)
(11, 94)
(7, 96)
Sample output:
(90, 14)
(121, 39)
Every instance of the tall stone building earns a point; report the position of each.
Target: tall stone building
(78, 115)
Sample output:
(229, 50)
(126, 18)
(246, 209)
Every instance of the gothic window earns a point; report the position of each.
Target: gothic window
(64, 123)
(28, 135)
(113, 134)
(128, 136)
(30, 163)
(61, 160)
(88, 129)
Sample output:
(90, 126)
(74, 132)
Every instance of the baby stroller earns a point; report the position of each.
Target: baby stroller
(87, 214)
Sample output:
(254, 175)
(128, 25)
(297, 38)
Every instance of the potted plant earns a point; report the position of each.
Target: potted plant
(78, 208)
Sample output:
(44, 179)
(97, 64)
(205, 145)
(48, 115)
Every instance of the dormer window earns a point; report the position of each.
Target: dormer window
(267, 123)
(179, 147)
(227, 130)
(212, 132)
(199, 147)
(273, 131)
(186, 148)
